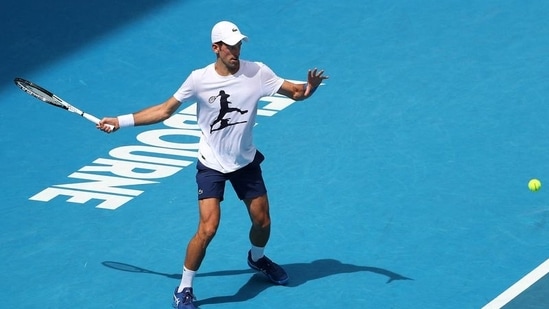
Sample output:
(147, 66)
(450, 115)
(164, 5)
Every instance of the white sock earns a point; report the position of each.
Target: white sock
(186, 279)
(257, 253)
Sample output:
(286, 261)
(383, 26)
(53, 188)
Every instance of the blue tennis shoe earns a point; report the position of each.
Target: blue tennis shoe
(184, 300)
(273, 271)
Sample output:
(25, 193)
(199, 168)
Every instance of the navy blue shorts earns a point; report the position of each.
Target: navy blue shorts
(247, 182)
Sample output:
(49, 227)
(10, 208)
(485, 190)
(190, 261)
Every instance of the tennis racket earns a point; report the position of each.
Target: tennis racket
(212, 98)
(47, 96)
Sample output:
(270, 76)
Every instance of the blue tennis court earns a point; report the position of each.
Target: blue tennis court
(402, 183)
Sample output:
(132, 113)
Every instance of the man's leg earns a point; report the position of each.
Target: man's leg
(210, 213)
(258, 209)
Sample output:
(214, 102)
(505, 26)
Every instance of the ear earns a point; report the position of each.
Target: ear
(215, 48)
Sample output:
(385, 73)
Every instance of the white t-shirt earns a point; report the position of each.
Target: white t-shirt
(226, 111)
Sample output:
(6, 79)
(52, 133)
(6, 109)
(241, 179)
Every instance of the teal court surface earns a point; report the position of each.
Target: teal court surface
(402, 183)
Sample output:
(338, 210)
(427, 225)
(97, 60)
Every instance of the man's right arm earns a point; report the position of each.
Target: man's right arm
(149, 115)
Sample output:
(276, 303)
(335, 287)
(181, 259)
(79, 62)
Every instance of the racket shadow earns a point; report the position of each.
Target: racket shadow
(135, 269)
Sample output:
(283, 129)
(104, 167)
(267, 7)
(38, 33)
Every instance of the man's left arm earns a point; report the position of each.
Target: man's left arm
(300, 92)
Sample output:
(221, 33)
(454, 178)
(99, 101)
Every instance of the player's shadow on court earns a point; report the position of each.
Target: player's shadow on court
(299, 273)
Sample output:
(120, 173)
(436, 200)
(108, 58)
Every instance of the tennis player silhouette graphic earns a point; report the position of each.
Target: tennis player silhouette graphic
(224, 110)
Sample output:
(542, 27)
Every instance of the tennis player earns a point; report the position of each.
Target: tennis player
(227, 93)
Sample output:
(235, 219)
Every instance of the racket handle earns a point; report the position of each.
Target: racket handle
(95, 120)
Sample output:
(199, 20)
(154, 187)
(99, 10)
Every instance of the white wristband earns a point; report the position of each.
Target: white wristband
(126, 121)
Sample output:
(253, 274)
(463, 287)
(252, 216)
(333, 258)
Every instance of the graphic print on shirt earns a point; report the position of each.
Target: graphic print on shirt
(221, 122)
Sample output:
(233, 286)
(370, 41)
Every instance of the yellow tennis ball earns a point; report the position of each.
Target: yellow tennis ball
(534, 185)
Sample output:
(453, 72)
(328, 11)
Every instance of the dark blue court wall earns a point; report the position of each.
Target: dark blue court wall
(36, 32)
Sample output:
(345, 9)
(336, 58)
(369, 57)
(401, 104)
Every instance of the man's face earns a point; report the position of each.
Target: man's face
(228, 55)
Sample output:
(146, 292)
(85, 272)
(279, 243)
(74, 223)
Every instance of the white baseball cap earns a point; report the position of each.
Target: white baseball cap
(228, 33)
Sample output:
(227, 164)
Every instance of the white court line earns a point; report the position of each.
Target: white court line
(519, 287)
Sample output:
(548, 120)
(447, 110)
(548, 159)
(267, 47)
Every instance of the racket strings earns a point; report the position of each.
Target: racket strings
(38, 93)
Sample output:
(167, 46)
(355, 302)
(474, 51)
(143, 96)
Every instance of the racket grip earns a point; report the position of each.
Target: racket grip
(95, 120)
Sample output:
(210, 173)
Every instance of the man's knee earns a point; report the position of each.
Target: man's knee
(261, 218)
(207, 231)
(259, 211)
